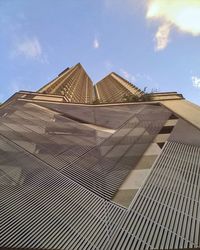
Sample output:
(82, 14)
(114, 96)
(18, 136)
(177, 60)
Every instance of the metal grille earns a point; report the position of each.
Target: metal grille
(109, 117)
(98, 163)
(60, 201)
(165, 214)
(41, 208)
(47, 134)
(103, 169)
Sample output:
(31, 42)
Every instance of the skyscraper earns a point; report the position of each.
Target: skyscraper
(114, 88)
(114, 175)
(73, 83)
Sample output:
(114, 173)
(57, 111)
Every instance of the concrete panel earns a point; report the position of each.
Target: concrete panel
(171, 122)
(47, 98)
(161, 138)
(124, 197)
(146, 162)
(135, 179)
(153, 149)
(186, 133)
(185, 109)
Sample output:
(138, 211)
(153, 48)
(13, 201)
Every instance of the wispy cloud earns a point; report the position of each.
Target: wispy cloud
(182, 14)
(128, 76)
(22, 43)
(96, 43)
(162, 36)
(196, 81)
(28, 47)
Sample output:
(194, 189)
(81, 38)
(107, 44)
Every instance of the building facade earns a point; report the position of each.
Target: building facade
(73, 83)
(114, 175)
(114, 88)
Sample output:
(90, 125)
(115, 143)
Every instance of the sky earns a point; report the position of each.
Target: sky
(151, 43)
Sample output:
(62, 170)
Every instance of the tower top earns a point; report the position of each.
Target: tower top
(75, 85)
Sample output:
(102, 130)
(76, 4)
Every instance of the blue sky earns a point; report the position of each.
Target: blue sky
(149, 47)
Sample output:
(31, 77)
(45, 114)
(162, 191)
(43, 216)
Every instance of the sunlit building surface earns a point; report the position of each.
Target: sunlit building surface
(73, 84)
(115, 175)
(114, 88)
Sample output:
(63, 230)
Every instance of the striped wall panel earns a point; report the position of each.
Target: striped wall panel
(165, 213)
(99, 164)
(42, 209)
(104, 168)
(109, 117)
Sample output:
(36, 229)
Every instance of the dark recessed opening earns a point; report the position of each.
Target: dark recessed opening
(161, 144)
(172, 117)
(166, 130)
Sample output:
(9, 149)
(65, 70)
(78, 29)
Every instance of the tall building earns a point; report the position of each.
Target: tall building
(73, 83)
(113, 88)
(113, 175)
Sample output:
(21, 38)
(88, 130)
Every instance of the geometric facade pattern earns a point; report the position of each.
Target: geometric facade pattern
(66, 167)
(43, 206)
(98, 161)
(103, 169)
(42, 209)
(165, 214)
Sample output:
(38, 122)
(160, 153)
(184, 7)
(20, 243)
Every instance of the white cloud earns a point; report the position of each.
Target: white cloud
(96, 43)
(196, 81)
(28, 47)
(127, 75)
(182, 14)
(15, 28)
(162, 36)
